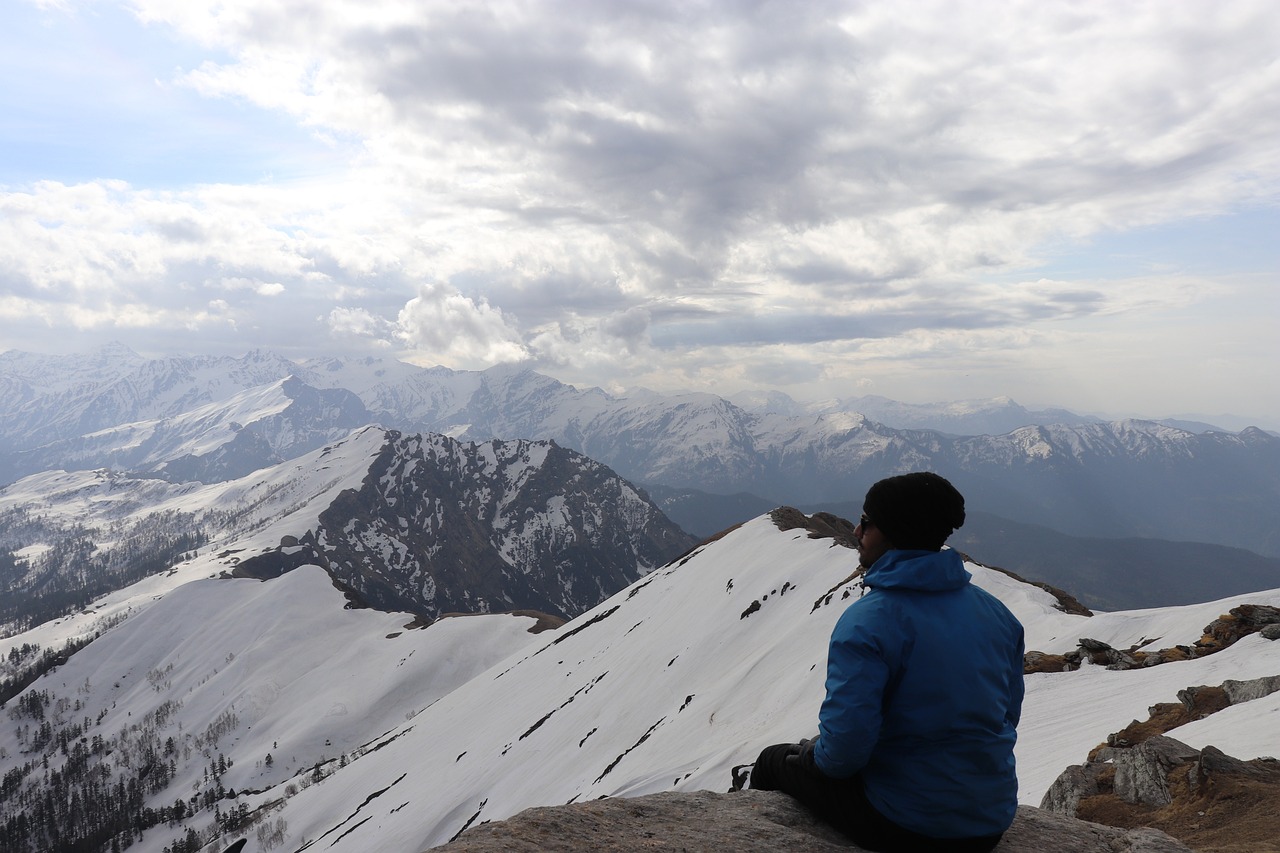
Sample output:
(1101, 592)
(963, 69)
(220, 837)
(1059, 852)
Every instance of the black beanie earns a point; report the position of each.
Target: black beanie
(916, 512)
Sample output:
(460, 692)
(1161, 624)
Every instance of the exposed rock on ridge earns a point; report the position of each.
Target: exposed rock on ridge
(754, 822)
(1222, 632)
(821, 525)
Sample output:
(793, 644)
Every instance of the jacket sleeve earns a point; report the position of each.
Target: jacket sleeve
(1018, 687)
(859, 666)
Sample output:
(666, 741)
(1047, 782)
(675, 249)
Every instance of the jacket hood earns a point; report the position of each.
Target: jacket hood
(923, 571)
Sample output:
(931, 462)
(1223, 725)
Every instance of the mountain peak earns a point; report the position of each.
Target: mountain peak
(115, 350)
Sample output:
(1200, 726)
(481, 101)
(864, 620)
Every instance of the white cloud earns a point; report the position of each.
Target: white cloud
(357, 322)
(262, 288)
(443, 326)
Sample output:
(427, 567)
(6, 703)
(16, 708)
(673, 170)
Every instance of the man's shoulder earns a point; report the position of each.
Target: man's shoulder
(875, 605)
(994, 607)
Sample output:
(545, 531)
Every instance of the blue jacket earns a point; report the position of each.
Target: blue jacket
(924, 692)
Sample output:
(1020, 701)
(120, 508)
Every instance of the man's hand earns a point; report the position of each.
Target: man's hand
(800, 755)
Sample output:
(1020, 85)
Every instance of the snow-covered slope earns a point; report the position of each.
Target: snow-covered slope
(673, 681)
(263, 681)
(216, 441)
(60, 397)
(664, 686)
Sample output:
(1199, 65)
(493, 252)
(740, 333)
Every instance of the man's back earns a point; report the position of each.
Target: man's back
(924, 694)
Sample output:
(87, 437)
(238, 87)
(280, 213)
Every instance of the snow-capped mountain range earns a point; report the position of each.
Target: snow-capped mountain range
(186, 418)
(216, 707)
(219, 440)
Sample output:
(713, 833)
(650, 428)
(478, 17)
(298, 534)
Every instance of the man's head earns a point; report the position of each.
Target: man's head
(911, 512)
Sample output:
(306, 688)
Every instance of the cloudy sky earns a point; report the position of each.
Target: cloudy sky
(1070, 203)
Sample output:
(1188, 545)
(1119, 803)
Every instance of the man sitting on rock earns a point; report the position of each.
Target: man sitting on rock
(924, 689)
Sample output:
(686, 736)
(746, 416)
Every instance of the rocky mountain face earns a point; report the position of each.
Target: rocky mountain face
(439, 526)
(1124, 478)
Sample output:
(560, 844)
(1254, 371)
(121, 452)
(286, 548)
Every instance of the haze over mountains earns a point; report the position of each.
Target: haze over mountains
(1123, 491)
(1112, 479)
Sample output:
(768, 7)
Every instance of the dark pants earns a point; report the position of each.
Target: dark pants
(843, 804)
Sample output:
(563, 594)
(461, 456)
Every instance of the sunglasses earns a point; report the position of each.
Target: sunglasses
(865, 522)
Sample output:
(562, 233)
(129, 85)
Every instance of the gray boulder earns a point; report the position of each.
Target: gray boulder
(1141, 775)
(1142, 772)
(754, 822)
(1256, 688)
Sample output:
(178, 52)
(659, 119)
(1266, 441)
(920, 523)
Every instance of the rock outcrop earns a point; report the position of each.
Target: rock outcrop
(439, 527)
(1202, 796)
(821, 525)
(754, 822)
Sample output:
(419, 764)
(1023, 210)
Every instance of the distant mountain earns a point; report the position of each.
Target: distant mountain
(705, 514)
(1117, 574)
(1193, 426)
(1123, 478)
(1118, 479)
(423, 524)
(61, 397)
(223, 708)
(221, 440)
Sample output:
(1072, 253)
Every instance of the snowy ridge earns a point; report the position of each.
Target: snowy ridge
(239, 670)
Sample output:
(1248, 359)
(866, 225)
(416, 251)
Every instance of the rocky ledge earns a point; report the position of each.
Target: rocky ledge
(754, 822)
